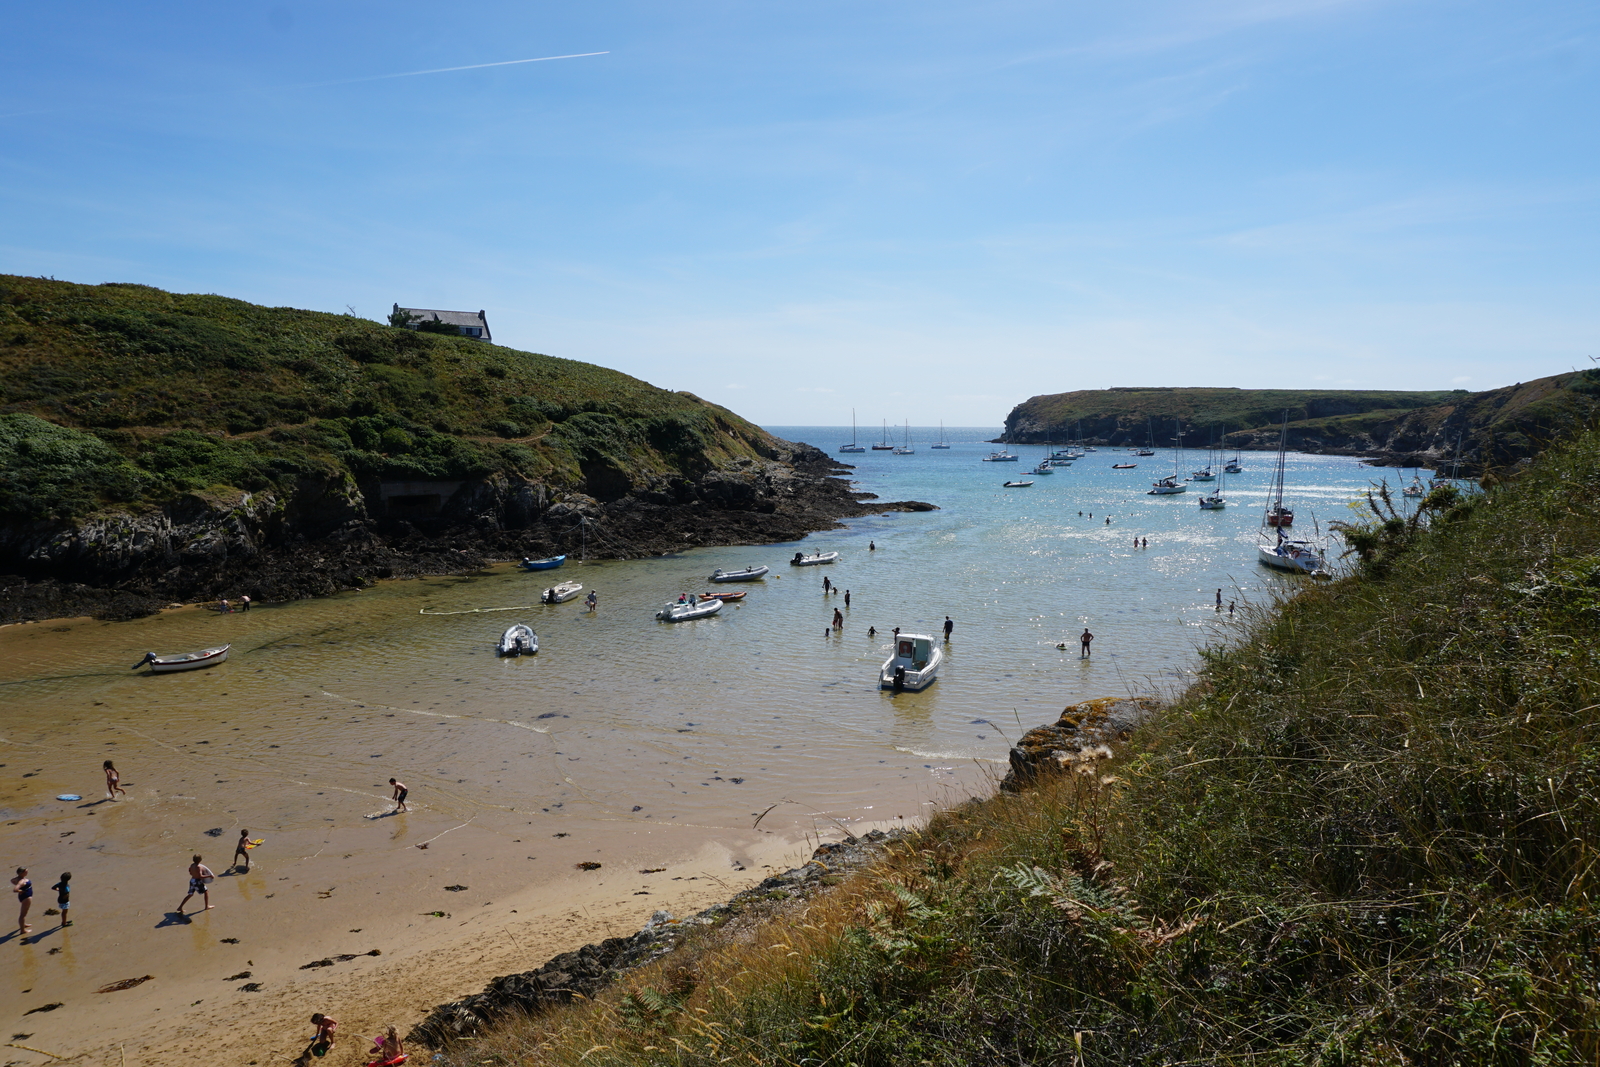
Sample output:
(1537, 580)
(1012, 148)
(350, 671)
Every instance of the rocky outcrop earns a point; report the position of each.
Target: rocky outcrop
(590, 969)
(1077, 740)
(323, 536)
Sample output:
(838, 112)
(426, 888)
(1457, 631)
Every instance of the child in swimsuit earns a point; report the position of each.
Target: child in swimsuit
(63, 890)
(390, 1050)
(200, 877)
(322, 1043)
(113, 782)
(242, 849)
(22, 886)
(400, 792)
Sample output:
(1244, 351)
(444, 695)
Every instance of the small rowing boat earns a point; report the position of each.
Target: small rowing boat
(748, 574)
(187, 661)
(546, 564)
(740, 595)
(561, 593)
(684, 610)
(518, 640)
(803, 560)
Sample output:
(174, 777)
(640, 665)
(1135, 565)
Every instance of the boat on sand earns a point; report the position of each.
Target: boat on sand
(913, 666)
(518, 640)
(186, 661)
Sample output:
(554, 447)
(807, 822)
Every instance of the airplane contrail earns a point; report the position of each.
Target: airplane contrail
(347, 81)
(447, 70)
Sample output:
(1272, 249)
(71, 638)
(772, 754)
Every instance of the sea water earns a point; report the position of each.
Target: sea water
(623, 718)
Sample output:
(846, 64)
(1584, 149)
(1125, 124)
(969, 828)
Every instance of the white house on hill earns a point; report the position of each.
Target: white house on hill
(474, 324)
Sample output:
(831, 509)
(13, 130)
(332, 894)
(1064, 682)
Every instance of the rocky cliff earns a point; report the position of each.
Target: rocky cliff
(158, 447)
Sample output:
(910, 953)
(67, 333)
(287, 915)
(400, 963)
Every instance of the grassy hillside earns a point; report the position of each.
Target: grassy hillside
(1366, 835)
(129, 395)
(1105, 413)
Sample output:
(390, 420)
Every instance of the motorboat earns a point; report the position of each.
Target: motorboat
(1302, 557)
(518, 640)
(1144, 451)
(913, 666)
(684, 610)
(1415, 489)
(560, 594)
(1123, 466)
(803, 560)
(852, 446)
(747, 574)
(725, 597)
(185, 661)
(1001, 456)
(1279, 515)
(549, 563)
(1167, 486)
(1043, 468)
(1015, 485)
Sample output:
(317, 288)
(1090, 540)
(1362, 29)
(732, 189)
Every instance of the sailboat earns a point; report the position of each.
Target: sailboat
(1204, 474)
(1170, 484)
(884, 445)
(1150, 449)
(852, 446)
(942, 442)
(1277, 514)
(906, 449)
(1214, 500)
(1415, 489)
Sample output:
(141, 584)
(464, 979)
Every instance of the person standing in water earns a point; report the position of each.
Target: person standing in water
(827, 584)
(838, 619)
(847, 598)
(63, 890)
(1084, 642)
(593, 600)
(949, 627)
(399, 797)
(872, 546)
(113, 782)
(200, 877)
(1219, 600)
(22, 886)
(242, 849)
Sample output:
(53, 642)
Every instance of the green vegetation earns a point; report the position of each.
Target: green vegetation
(134, 395)
(1368, 834)
(1105, 411)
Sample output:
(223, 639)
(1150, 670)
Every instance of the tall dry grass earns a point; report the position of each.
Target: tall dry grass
(1367, 835)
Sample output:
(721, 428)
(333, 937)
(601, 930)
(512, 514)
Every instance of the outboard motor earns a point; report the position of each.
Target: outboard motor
(899, 679)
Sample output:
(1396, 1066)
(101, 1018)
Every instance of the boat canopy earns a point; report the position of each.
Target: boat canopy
(914, 647)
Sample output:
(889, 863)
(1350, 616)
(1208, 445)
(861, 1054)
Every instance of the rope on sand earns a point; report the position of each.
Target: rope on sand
(30, 1048)
(473, 611)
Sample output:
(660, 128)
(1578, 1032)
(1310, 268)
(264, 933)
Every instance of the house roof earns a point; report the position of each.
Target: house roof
(454, 318)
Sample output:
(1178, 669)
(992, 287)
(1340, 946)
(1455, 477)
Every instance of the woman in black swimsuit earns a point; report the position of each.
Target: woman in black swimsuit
(22, 886)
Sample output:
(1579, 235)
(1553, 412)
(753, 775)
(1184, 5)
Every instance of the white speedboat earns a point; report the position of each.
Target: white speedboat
(1000, 457)
(1303, 557)
(803, 560)
(186, 661)
(747, 574)
(518, 640)
(560, 594)
(684, 610)
(913, 666)
(1015, 485)
(1167, 486)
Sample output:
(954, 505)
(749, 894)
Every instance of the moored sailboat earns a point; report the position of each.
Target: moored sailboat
(942, 442)
(852, 446)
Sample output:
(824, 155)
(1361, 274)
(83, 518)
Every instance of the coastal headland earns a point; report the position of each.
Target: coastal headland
(1468, 432)
(160, 447)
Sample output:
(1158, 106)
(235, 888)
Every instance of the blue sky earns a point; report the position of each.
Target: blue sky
(923, 210)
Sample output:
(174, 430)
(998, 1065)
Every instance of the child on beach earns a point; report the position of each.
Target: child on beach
(322, 1043)
(63, 890)
(113, 782)
(22, 886)
(200, 877)
(399, 797)
(389, 1049)
(242, 849)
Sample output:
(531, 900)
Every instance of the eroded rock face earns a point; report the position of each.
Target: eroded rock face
(1074, 738)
